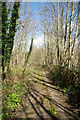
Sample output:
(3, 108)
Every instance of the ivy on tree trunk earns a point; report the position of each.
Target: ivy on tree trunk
(8, 32)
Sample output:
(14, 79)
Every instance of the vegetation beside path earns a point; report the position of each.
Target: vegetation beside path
(32, 96)
(68, 81)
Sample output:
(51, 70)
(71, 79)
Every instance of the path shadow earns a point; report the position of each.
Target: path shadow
(36, 93)
(41, 75)
(60, 91)
(48, 86)
(65, 109)
(40, 116)
(38, 111)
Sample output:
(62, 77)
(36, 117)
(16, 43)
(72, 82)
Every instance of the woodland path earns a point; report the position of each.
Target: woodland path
(45, 101)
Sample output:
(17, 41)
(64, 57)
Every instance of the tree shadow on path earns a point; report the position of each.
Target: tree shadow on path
(37, 110)
(48, 83)
(56, 103)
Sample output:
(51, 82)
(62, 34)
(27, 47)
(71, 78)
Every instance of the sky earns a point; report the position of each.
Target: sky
(34, 7)
(38, 39)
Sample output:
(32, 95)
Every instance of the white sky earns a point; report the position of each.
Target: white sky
(38, 41)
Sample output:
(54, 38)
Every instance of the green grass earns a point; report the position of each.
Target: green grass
(14, 90)
(52, 111)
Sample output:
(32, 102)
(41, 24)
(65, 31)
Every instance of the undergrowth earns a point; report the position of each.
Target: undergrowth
(14, 89)
(69, 81)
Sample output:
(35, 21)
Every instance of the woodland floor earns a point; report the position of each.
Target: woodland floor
(40, 99)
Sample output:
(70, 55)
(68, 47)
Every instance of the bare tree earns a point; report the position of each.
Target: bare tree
(69, 36)
(57, 42)
(66, 30)
(76, 31)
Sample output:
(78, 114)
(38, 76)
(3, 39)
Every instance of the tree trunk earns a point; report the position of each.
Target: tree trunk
(69, 37)
(57, 42)
(76, 32)
(61, 41)
(66, 31)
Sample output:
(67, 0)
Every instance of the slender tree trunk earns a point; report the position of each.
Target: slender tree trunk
(45, 48)
(57, 42)
(61, 42)
(78, 53)
(48, 52)
(66, 31)
(51, 49)
(76, 32)
(69, 37)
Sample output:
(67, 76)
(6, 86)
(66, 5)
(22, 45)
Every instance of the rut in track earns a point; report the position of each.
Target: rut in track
(46, 101)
